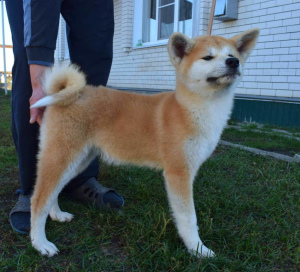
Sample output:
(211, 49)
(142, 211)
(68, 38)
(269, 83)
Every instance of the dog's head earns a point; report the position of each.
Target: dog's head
(209, 64)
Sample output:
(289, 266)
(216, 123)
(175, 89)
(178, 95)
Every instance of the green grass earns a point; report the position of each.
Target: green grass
(274, 142)
(248, 210)
(294, 130)
(8, 159)
(265, 127)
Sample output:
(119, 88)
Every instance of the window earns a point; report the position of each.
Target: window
(185, 17)
(156, 20)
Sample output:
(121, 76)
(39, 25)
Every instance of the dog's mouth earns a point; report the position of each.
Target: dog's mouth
(226, 77)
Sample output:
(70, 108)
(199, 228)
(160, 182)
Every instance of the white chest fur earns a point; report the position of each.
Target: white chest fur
(210, 120)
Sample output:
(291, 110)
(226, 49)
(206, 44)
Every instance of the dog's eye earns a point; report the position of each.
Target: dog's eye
(230, 56)
(208, 58)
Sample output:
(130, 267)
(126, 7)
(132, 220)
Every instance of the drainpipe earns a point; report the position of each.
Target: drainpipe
(211, 17)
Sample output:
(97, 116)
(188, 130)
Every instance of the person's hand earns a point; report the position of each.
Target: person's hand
(36, 114)
(36, 74)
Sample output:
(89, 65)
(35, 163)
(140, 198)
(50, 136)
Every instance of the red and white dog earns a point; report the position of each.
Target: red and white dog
(174, 131)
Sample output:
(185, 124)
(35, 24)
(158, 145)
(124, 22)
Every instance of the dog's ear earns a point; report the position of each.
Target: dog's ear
(245, 42)
(178, 46)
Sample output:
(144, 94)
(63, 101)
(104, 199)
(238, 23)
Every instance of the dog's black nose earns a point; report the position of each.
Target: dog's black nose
(232, 62)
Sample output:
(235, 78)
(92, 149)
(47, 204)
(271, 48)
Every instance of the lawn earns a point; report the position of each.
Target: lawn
(265, 140)
(248, 210)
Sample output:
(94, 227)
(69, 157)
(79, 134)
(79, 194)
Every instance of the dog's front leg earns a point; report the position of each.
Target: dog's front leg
(180, 193)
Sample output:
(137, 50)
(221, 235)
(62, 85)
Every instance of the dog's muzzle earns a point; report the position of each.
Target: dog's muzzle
(232, 63)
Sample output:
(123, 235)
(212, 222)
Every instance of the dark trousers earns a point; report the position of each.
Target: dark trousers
(90, 27)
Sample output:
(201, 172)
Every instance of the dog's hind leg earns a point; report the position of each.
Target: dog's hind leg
(180, 192)
(55, 212)
(58, 164)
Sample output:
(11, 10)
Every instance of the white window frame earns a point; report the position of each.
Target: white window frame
(138, 23)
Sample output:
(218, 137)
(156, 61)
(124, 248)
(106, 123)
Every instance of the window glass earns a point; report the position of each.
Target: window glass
(185, 17)
(150, 24)
(160, 20)
(166, 22)
(165, 2)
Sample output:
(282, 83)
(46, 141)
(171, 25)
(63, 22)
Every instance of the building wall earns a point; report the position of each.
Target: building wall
(9, 57)
(137, 68)
(272, 69)
(61, 48)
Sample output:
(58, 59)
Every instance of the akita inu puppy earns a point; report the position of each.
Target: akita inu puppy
(174, 131)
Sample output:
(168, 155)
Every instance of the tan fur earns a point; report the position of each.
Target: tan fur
(137, 129)
(66, 83)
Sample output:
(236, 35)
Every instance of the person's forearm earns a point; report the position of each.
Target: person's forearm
(36, 74)
(41, 20)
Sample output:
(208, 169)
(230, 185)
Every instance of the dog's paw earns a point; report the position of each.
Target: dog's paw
(46, 248)
(202, 252)
(61, 216)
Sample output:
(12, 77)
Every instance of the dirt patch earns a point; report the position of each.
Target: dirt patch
(114, 249)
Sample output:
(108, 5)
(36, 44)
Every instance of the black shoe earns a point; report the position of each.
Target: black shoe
(19, 216)
(93, 193)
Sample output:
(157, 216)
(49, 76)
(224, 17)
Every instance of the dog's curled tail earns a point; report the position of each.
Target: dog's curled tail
(62, 85)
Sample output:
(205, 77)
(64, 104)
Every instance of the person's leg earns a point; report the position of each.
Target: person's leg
(90, 37)
(25, 135)
(90, 27)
